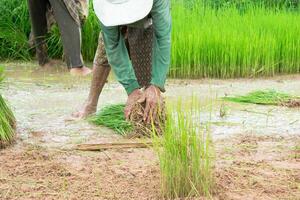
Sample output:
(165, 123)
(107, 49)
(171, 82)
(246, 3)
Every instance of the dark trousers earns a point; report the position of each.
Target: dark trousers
(70, 31)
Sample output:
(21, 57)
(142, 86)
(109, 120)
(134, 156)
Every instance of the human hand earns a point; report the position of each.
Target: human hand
(132, 99)
(152, 97)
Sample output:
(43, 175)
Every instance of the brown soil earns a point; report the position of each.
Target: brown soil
(259, 167)
(31, 172)
(247, 167)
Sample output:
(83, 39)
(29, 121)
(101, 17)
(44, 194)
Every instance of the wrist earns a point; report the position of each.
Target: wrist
(158, 85)
(132, 87)
(135, 91)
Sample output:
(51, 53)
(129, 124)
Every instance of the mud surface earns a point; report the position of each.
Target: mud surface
(257, 147)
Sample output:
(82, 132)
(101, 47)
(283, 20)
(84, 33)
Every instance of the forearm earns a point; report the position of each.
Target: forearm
(162, 42)
(118, 58)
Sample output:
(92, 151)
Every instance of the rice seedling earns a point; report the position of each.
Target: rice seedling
(185, 154)
(7, 120)
(112, 116)
(1, 75)
(267, 97)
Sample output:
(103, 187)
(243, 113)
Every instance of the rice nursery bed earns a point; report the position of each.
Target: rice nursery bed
(224, 39)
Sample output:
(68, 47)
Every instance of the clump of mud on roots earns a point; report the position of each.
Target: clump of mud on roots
(292, 103)
(142, 128)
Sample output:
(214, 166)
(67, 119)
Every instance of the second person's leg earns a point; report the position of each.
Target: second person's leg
(37, 11)
(70, 33)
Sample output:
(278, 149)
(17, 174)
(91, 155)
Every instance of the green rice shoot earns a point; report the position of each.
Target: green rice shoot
(263, 97)
(112, 116)
(7, 119)
(6, 123)
(185, 154)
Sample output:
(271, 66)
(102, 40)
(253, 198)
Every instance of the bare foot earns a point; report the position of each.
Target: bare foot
(85, 112)
(53, 64)
(82, 71)
(51, 67)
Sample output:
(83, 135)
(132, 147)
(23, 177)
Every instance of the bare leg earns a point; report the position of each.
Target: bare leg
(100, 74)
(101, 71)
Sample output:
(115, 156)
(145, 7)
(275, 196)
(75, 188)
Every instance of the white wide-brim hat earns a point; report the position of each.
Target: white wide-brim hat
(121, 12)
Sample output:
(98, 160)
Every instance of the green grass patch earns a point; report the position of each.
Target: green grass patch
(268, 97)
(112, 116)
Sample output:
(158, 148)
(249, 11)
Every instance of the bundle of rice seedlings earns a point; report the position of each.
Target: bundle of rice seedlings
(267, 97)
(112, 116)
(7, 124)
(7, 120)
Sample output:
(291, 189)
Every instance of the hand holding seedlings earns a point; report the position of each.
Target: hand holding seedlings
(153, 99)
(132, 99)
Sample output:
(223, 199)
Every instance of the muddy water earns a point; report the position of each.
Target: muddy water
(43, 101)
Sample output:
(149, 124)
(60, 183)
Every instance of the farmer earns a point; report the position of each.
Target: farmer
(69, 15)
(113, 14)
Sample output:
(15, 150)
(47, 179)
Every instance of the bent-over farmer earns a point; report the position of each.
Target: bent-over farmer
(69, 15)
(112, 15)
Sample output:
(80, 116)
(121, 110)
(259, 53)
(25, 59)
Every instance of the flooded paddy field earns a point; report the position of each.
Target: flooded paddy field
(257, 147)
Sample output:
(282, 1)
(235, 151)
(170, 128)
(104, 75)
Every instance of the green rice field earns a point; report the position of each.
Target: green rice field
(211, 38)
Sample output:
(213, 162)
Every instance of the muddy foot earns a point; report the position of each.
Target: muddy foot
(85, 112)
